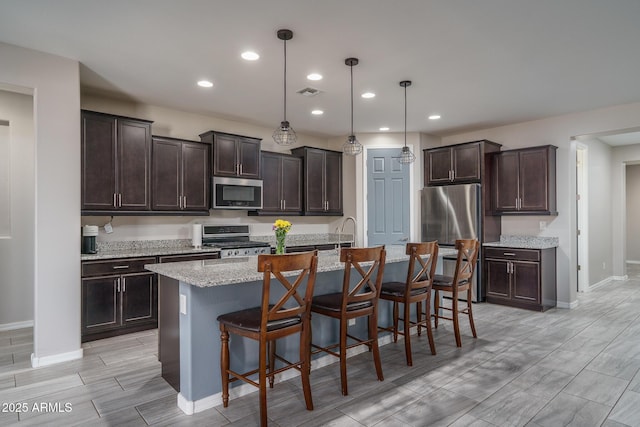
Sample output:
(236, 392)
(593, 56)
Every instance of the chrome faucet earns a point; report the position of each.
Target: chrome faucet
(341, 230)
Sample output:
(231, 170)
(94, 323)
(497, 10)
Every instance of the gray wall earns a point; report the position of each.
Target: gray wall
(633, 209)
(17, 247)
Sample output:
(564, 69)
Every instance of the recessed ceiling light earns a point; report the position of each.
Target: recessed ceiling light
(250, 56)
(368, 95)
(384, 128)
(205, 83)
(317, 112)
(314, 76)
(434, 117)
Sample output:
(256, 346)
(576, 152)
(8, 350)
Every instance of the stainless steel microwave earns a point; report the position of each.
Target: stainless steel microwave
(236, 193)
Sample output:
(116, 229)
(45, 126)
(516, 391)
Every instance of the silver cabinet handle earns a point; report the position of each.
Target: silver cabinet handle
(120, 267)
(118, 285)
(115, 200)
(241, 171)
(184, 202)
(119, 200)
(124, 285)
(284, 205)
(508, 254)
(179, 202)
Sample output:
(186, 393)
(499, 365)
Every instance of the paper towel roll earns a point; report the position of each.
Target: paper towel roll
(196, 236)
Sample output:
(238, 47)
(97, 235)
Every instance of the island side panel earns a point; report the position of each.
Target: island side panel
(169, 330)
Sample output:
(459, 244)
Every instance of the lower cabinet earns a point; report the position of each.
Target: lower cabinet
(524, 278)
(118, 297)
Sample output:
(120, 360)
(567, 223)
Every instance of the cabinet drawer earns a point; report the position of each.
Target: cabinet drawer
(188, 257)
(122, 266)
(513, 254)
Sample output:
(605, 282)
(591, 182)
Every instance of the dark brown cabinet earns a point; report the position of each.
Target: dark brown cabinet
(116, 163)
(524, 278)
(456, 164)
(281, 183)
(118, 296)
(322, 181)
(180, 175)
(524, 181)
(234, 155)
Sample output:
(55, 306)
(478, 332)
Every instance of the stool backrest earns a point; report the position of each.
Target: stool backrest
(466, 261)
(292, 303)
(370, 282)
(422, 265)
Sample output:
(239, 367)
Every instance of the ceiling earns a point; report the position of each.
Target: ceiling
(476, 63)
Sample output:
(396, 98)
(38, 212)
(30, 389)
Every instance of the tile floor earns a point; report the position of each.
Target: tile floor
(575, 367)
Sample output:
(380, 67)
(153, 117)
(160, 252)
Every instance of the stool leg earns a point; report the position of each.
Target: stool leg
(305, 357)
(272, 361)
(343, 354)
(407, 333)
(436, 307)
(469, 309)
(432, 344)
(224, 365)
(262, 382)
(419, 317)
(373, 322)
(395, 321)
(456, 320)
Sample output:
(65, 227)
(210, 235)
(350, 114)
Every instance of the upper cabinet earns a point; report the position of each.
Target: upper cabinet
(524, 181)
(456, 164)
(322, 181)
(116, 162)
(282, 184)
(180, 175)
(234, 155)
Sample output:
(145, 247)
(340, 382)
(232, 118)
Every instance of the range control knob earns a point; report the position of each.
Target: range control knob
(236, 252)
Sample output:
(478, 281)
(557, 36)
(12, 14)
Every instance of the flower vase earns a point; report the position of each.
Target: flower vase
(280, 247)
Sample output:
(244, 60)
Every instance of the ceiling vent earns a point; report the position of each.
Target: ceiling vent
(309, 91)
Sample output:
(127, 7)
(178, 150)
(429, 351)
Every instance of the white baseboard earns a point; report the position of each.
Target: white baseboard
(569, 305)
(604, 282)
(16, 325)
(191, 407)
(37, 362)
(632, 262)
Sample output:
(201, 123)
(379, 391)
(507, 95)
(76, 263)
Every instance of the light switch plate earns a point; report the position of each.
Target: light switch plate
(352, 322)
(183, 304)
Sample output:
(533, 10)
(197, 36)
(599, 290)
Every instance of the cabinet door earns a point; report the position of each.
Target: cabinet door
(195, 176)
(526, 282)
(333, 182)
(292, 184)
(498, 278)
(466, 163)
(134, 148)
(225, 159)
(314, 182)
(98, 162)
(439, 166)
(505, 193)
(249, 157)
(100, 304)
(533, 180)
(139, 298)
(165, 177)
(271, 182)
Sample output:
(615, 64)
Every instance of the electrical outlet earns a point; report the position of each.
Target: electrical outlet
(543, 225)
(352, 322)
(183, 304)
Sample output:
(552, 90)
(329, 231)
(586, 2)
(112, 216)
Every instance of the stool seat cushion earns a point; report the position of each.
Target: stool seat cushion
(333, 302)
(249, 319)
(442, 280)
(397, 289)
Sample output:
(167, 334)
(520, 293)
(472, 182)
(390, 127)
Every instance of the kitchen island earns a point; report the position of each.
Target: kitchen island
(193, 294)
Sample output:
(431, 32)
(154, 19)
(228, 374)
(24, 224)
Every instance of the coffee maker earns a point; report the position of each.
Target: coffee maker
(89, 234)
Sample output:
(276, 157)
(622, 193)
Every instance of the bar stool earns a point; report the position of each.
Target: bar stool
(461, 281)
(416, 289)
(289, 315)
(354, 301)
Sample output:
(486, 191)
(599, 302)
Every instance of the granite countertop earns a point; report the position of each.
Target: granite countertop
(525, 242)
(143, 248)
(228, 271)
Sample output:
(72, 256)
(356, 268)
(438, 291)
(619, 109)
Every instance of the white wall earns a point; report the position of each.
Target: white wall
(17, 266)
(558, 131)
(180, 124)
(621, 158)
(56, 88)
(633, 207)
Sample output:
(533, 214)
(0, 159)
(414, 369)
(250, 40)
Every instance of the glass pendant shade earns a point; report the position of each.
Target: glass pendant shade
(285, 135)
(352, 147)
(406, 156)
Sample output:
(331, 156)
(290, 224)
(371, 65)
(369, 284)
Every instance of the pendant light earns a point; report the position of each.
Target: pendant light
(406, 156)
(285, 135)
(352, 147)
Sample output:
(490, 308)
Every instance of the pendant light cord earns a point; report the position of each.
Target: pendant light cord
(405, 116)
(351, 69)
(285, 81)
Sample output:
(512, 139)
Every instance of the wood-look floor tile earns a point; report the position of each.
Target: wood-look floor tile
(133, 379)
(470, 421)
(159, 410)
(542, 382)
(509, 406)
(6, 359)
(607, 392)
(83, 414)
(627, 409)
(569, 362)
(208, 418)
(16, 348)
(569, 410)
(57, 370)
(620, 367)
(103, 372)
(7, 381)
(22, 339)
(39, 389)
(119, 356)
(331, 418)
(8, 418)
(147, 392)
(585, 345)
(440, 408)
(125, 418)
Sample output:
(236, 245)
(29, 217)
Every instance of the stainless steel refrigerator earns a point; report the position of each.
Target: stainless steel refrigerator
(451, 212)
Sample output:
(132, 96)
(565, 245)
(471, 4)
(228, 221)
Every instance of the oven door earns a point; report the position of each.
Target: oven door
(236, 193)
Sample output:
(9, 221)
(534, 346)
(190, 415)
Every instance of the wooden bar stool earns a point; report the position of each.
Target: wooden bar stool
(289, 315)
(416, 289)
(354, 301)
(461, 281)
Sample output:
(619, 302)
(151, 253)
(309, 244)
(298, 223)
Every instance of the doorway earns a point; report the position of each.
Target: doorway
(388, 204)
(582, 217)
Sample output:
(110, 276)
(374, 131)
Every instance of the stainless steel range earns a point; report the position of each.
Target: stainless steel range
(233, 241)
